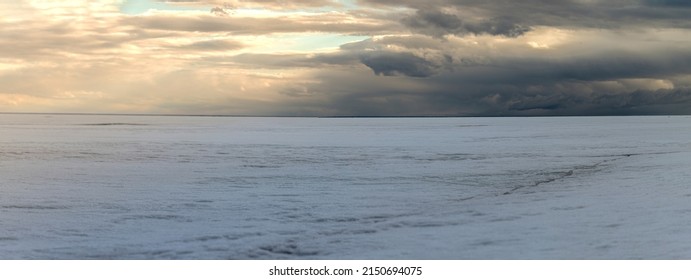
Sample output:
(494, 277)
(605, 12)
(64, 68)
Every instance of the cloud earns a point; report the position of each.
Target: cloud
(287, 61)
(452, 15)
(214, 45)
(265, 4)
(485, 77)
(438, 23)
(392, 64)
(326, 23)
(435, 57)
(672, 3)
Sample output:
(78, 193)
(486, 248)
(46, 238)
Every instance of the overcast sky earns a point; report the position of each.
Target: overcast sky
(347, 57)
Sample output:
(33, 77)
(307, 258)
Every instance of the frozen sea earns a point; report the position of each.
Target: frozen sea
(173, 187)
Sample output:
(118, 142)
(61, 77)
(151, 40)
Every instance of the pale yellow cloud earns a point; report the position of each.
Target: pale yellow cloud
(85, 56)
(264, 4)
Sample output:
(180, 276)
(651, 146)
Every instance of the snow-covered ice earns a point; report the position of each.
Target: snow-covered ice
(164, 187)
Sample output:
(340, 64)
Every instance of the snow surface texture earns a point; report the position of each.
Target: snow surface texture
(145, 187)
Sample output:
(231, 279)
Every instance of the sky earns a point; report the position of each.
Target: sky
(347, 57)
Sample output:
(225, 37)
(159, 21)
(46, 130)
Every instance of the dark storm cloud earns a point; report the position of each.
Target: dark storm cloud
(497, 100)
(673, 3)
(512, 18)
(629, 72)
(662, 101)
(442, 79)
(438, 23)
(604, 67)
(393, 63)
(606, 82)
(594, 85)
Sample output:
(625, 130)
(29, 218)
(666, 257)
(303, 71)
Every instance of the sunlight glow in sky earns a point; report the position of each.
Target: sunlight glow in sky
(138, 7)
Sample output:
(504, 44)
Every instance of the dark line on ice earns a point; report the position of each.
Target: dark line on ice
(569, 173)
(113, 124)
(34, 207)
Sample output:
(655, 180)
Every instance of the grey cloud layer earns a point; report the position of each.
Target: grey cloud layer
(519, 15)
(438, 23)
(571, 80)
(448, 79)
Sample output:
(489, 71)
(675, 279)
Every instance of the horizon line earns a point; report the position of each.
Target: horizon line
(328, 116)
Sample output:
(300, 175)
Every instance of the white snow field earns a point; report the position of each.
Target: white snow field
(164, 187)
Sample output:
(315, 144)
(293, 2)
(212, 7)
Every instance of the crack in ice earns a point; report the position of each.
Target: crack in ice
(570, 172)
